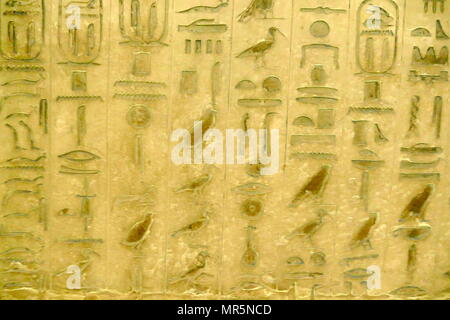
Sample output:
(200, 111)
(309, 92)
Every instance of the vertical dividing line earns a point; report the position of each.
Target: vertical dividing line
(402, 28)
(290, 86)
(225, 167)
(49, 198)
(397, 139)
(349, 68)
(171, 19)
(342, 162)
(108, 158)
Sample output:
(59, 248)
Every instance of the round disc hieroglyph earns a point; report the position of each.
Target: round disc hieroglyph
(319, 29)
(139, 116)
